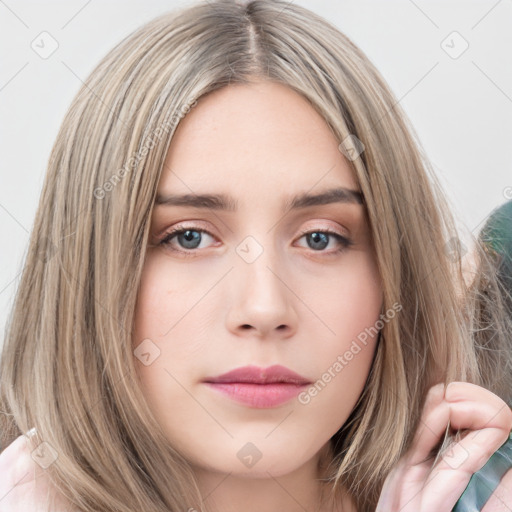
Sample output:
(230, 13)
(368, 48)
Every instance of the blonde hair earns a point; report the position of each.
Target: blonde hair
(67, 365)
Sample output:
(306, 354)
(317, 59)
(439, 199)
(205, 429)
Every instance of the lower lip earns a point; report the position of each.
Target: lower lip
(261, 396)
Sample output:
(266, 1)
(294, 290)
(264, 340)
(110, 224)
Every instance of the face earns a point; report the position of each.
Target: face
(259, 283)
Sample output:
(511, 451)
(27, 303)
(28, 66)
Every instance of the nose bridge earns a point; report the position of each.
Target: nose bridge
(260, 296)
(259, 263)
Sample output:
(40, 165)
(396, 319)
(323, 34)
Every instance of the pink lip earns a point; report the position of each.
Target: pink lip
(259, 387)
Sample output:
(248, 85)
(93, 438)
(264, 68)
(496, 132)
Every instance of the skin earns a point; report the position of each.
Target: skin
(302, 305)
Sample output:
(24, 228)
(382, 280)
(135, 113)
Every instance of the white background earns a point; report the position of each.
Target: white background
(460, 107)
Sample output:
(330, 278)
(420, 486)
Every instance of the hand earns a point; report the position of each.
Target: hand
(415, 486)
(24, 484)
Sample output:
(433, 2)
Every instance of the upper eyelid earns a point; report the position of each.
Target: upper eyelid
(197, 227)
(351, 216)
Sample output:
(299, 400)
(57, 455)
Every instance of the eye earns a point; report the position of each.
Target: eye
(188, 239)
(320, 239)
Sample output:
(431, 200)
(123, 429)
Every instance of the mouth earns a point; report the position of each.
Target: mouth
(259, 387)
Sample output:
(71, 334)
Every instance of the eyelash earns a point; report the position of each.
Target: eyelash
(344, 242)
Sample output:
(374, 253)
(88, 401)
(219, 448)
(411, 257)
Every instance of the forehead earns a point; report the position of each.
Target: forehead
(262, 138)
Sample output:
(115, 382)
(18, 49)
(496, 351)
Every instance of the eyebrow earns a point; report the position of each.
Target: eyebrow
(228, 203)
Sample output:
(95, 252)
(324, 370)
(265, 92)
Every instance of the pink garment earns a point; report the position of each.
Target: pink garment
(24, 484)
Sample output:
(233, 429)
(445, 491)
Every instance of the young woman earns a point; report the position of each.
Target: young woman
(242, 292)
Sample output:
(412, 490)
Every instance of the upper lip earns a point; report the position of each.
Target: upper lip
(257, 375)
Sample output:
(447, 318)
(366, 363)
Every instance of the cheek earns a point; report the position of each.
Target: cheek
(342, 374)
(161, 325)
(150, 311)
(349, 304)
(165, 301)
(347, 299)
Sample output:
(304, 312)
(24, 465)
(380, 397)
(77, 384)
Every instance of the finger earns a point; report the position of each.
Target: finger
(464, 391)
(489, 429)
(450, 477)
(463, 407)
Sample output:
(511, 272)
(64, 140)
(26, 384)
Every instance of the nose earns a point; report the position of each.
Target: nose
(261, 298)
